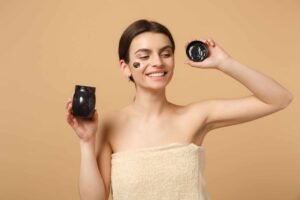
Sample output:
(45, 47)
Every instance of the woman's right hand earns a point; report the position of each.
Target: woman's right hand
(84, 128)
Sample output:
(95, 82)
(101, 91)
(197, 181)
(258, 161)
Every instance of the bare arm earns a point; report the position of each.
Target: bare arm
(103, 154)
(91, 184)
(263, 88)
(268, 95)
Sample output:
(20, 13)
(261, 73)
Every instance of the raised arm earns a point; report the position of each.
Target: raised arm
(268, 95)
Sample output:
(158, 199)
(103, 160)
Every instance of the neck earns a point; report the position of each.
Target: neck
(150, 103)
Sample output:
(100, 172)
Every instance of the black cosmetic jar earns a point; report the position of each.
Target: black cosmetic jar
(84, 101)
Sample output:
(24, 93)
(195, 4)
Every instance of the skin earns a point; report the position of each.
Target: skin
(151, 120)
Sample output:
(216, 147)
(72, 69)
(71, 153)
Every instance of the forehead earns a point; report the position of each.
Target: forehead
(149, 40)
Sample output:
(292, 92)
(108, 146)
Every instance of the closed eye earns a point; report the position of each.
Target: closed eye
(143, 57)
(166, 55)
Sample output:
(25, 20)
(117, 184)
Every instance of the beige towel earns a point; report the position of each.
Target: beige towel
(169, 172)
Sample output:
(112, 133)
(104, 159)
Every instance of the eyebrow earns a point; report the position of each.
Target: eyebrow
(148, 50)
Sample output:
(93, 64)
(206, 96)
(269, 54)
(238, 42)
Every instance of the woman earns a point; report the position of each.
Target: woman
(151, 149)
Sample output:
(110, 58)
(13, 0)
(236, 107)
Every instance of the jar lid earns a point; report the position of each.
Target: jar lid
(197, 51)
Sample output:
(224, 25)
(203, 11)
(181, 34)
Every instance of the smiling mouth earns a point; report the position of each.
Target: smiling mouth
(160, 74)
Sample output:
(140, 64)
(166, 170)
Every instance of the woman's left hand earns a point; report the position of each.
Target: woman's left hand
(216, 56)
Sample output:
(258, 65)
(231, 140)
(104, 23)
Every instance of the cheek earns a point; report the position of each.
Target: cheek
(138, 73)
(170, 63)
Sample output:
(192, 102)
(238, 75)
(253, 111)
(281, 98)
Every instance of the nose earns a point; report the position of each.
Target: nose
(157, 61)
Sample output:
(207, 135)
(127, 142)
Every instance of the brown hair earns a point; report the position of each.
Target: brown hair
(136, 28)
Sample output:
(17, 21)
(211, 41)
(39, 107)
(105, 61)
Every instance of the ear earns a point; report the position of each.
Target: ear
(124, 67)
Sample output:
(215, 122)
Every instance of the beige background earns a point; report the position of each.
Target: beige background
(46, 47)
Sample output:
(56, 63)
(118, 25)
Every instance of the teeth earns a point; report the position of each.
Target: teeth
(157, 74)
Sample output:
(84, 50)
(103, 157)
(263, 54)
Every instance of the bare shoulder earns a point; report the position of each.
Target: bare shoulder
(108, 120)
(114, 117)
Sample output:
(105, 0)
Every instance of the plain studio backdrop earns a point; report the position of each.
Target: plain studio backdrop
(47, 47)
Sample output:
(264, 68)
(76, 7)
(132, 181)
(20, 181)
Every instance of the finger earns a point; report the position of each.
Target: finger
(75, 122)
(69, 118)
(211, 42)
(69, 106)
(191, 63)
(68, 103)
(206, 41)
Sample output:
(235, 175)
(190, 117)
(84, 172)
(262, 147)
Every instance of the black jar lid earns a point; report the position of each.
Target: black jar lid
(84, 88)
(197, 51)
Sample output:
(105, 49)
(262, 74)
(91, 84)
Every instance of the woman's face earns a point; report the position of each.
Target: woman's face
(153, 53)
